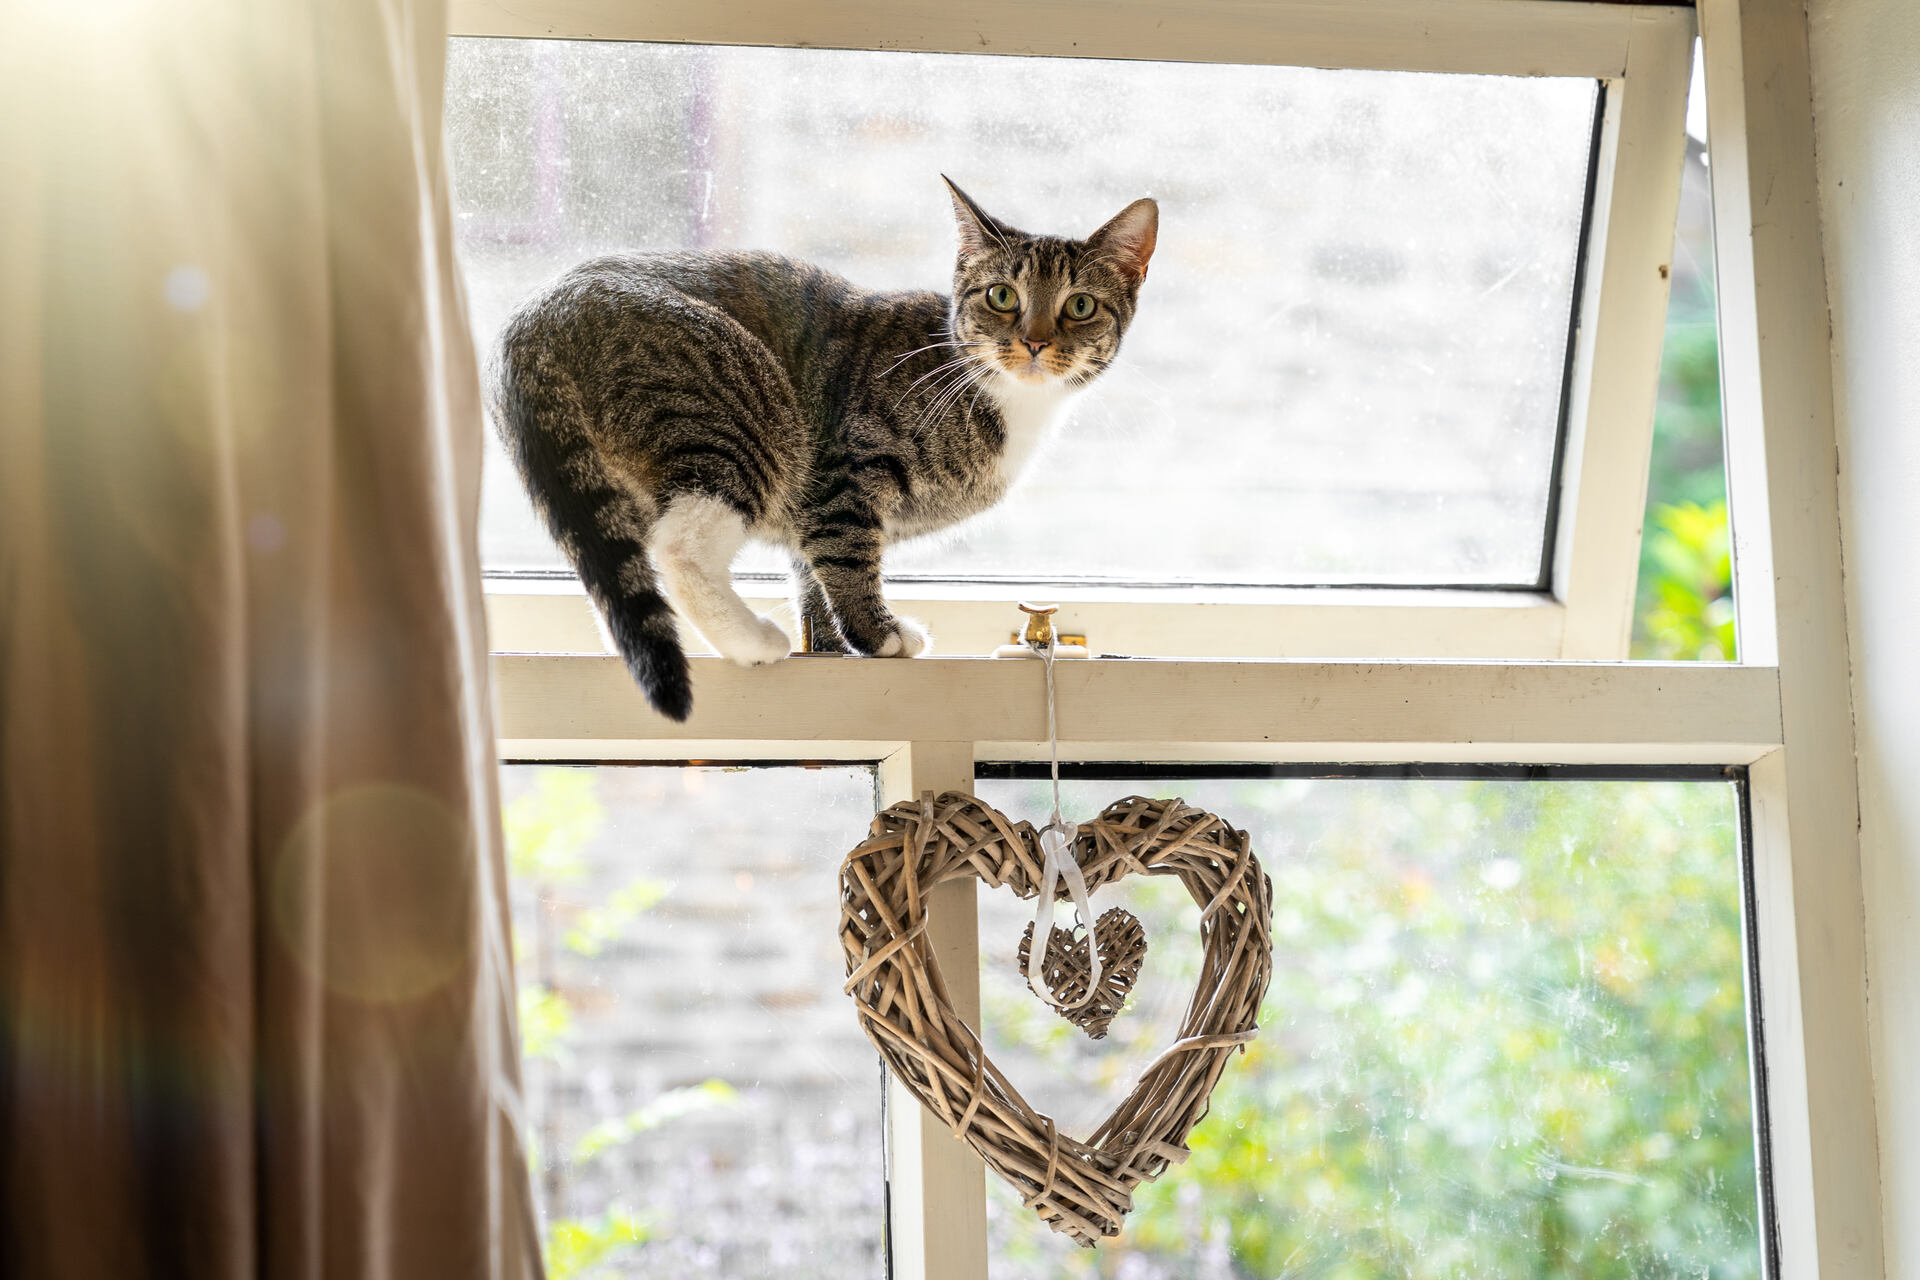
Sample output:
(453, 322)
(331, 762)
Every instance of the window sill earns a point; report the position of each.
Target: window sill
(554, 616)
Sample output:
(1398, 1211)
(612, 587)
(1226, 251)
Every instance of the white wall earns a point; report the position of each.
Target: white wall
(1866, 87)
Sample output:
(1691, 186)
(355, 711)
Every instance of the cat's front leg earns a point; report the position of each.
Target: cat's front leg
(842, 545)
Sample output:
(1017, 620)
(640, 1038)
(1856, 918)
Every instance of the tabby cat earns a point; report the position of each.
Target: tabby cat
(663, 408)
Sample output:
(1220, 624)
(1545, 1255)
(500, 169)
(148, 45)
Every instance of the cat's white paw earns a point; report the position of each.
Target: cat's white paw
(909, 640)
(757, 645)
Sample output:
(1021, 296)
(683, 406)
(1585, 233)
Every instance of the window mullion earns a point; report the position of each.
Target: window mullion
(936, 1185)
(1783, 498)
(1615, 372)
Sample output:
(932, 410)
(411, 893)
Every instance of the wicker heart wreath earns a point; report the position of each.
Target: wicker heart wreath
(1083, 1189)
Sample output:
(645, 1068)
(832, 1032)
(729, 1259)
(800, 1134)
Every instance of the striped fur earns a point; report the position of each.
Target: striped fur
(733, 395)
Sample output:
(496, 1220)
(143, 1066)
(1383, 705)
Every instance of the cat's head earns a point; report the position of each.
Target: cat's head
(1044, 309)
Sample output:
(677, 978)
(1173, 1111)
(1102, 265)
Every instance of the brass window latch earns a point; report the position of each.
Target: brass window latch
(1039, 636)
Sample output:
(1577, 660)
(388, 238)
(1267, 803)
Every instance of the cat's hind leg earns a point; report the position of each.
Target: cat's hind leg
(692, 545)
(813, 611)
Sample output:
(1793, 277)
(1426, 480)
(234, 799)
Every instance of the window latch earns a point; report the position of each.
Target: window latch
(1039, 636)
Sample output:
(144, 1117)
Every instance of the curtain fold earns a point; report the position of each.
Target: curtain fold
(256, 998)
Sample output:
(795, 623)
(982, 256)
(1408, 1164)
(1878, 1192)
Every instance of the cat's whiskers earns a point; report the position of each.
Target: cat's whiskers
(973, 374)
(941, 374)
(942, 367)
(1160, 395)
(965, 376)
(1086, 369)
(974, 403)
(946, 342)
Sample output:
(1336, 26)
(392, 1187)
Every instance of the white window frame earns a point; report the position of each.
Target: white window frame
(1781, 713)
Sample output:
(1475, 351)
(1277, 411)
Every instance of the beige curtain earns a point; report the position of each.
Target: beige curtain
(255, 987)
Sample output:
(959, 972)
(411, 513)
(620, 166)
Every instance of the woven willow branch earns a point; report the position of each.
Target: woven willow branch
(1083, 1189)
(1122, 943)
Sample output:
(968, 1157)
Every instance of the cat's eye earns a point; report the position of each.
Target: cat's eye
(1081, 306)
(1001, 297)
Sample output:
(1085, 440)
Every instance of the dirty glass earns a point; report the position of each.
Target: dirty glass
(701, 1102)
(1506, 1036)
(1347, 363)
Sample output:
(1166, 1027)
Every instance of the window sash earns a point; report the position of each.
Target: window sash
(1470, 37)
(1643, 57)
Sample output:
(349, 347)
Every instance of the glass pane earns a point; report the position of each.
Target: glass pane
(701, 1099)
(1347, 362)
(1684, 609)
(1505, 1037)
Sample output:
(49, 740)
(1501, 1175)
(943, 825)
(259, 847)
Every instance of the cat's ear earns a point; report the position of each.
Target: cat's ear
(1127, 238)
(978, 229)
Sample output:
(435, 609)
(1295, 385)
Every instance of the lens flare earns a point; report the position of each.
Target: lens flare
(373, 893)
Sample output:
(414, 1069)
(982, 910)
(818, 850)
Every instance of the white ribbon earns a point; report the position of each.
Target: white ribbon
(1057, 864)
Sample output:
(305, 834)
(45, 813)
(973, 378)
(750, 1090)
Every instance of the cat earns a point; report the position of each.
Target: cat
(663, 408)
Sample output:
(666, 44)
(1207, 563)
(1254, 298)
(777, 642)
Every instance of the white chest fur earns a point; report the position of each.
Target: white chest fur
(1027, 410)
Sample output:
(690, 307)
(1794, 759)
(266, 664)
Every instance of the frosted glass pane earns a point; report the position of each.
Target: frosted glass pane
(700, 1098)
(1347, 362)
(1505, 1037)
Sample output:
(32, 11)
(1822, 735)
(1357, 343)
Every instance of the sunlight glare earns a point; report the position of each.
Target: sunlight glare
(187, 288)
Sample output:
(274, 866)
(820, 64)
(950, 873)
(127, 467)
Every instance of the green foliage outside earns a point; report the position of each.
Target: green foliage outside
(548, 829)
(1505, 1039)
(1686, 585)
(578, 1247)
(1687, 453)
(1684, 608)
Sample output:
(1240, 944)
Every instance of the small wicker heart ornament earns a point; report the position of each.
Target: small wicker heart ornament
(1082, 1189)
(1121, 941)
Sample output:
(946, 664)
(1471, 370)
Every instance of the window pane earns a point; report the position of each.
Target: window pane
(702, 1101)
(1347, 362)
(1505, 1037)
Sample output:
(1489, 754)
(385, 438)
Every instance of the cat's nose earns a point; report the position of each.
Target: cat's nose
(1034, 347)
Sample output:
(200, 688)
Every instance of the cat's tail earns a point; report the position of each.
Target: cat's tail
(597, 520)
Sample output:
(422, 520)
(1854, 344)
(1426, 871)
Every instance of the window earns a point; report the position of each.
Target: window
(1438, 682)
(699, 1107)
(1506, 1033)
(1347, 367)
(1402, 380)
